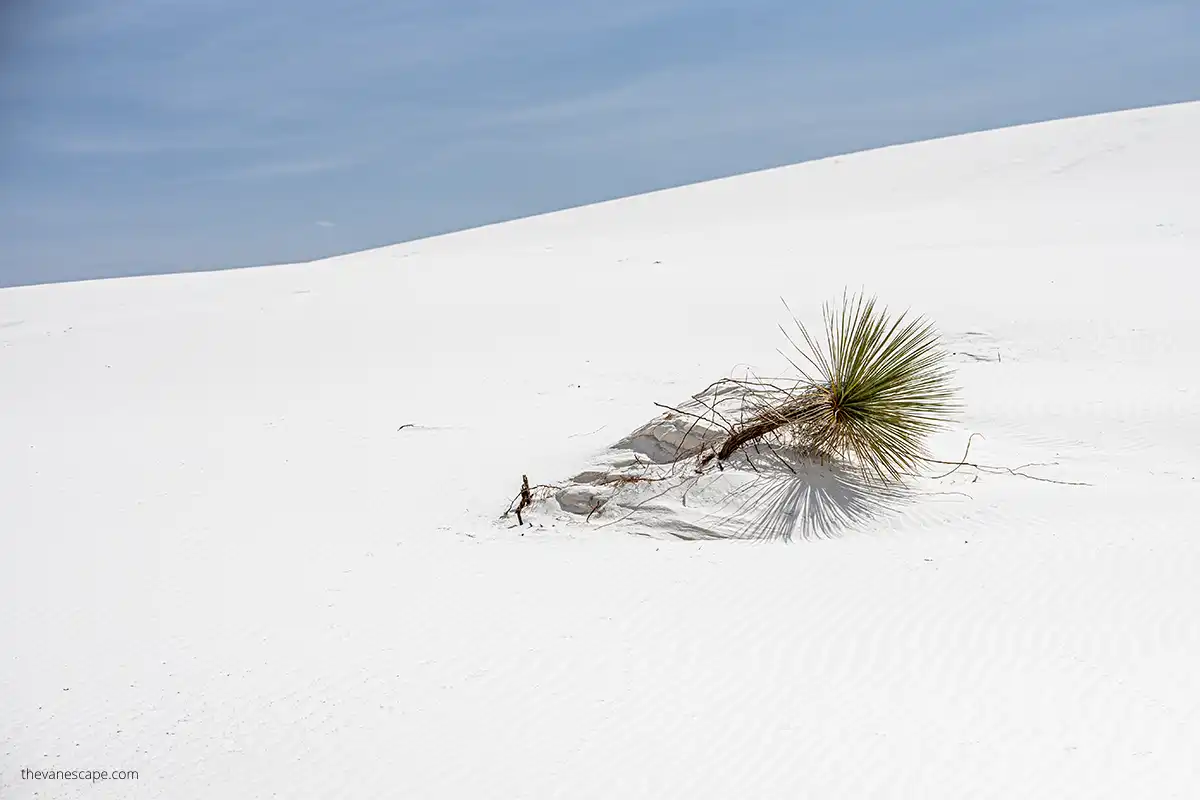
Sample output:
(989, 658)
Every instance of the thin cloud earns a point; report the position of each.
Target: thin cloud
(743, 94)
(140, 142)
(283, 169)
(106, 18)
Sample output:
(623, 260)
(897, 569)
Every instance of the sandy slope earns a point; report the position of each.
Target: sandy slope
(223, 566)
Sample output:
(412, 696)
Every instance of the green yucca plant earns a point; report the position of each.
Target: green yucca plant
(869, 397)
(875, 391)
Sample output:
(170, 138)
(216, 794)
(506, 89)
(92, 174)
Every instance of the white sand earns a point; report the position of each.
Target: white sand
(224, 567)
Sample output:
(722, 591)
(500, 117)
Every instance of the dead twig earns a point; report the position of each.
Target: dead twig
(526, 498)
(993, 470)
(696, 420)
(962, 461)
(634, 509)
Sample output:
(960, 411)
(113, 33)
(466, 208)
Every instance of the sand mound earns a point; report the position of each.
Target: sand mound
(771, 489)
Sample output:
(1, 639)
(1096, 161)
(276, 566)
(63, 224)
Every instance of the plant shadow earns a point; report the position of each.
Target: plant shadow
(796, 495)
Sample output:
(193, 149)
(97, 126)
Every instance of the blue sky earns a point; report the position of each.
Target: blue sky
(141, 136)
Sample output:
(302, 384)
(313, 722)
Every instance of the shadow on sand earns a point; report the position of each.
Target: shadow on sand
(791, 495)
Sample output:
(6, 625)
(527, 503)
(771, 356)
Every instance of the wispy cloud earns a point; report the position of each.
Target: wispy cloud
(179, 77)
(135, 142)
(282, 169)
(791, 92)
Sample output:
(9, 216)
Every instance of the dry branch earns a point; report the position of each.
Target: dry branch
(526, 498)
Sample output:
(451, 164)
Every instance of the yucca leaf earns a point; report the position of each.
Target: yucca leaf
(880, 386)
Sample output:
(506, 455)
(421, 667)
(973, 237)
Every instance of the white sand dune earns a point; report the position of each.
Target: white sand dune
(225, 567)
